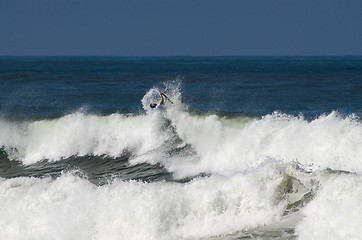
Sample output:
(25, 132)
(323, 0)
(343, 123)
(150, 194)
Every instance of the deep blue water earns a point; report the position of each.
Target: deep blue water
(54, 86)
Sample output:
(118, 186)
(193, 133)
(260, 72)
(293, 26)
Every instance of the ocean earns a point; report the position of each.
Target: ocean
(244, 148)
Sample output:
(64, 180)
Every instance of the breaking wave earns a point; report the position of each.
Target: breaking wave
(187, 143)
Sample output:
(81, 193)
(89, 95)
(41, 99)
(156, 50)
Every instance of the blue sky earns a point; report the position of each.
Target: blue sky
(181, 28)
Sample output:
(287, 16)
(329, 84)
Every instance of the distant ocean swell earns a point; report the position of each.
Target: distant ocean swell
(248, 176)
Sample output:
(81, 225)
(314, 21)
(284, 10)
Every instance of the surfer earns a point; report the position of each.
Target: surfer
(162, 102)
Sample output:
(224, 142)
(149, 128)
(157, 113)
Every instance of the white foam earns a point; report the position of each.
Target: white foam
(329, 141)
(336, 212)
(72, 208)
(173, 90)
(80, 134)
(222, 146)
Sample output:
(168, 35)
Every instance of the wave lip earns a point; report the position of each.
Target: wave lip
(188, 144)
(78, 134)
(329, 141)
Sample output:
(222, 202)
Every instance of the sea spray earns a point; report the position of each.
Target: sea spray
(330, 141)
(336, 212)
(80, 134)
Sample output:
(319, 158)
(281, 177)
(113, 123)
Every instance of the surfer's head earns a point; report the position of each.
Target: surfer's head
(153, 105)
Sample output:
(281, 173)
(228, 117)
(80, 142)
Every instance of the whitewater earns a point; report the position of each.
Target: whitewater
(232, 176)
